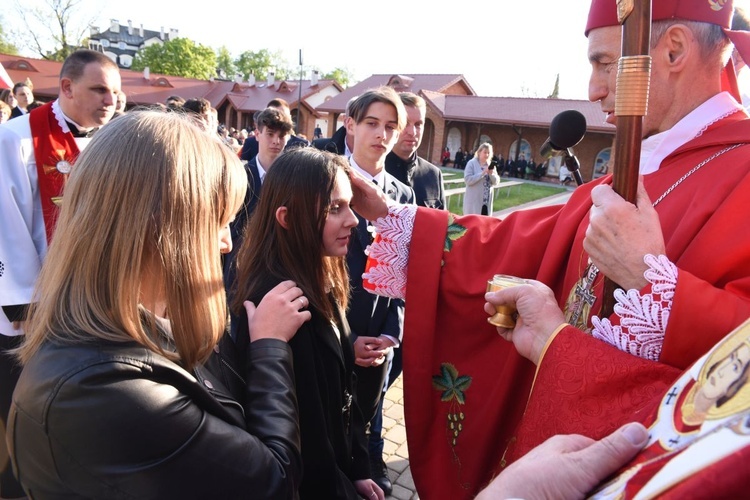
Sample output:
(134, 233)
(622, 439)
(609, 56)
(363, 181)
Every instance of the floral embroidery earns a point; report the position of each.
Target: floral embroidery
(453, 388)
(389, 253)
(642, 318)
(455, 231)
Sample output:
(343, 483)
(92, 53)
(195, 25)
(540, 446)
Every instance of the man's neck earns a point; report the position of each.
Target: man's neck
(266, 160)
(371, 168)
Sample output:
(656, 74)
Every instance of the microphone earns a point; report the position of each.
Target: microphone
(566, 130)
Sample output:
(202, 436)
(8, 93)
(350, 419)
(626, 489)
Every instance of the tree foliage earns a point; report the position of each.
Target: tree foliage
(54, 29)
(555, 91)
(225, 66)
(6, 46)
(260, 63)
(341, 75)
(177, 57)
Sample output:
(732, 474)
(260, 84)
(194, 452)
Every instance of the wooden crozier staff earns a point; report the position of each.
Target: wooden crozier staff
(631, 101)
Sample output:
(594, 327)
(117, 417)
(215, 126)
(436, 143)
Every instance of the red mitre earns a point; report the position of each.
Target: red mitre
(604, 13)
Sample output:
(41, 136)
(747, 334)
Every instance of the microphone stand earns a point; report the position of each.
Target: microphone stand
(573, 165)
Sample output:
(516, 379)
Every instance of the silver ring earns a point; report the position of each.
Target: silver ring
(301, 301)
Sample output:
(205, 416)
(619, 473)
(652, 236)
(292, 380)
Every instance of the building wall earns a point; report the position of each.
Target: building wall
(502, 137)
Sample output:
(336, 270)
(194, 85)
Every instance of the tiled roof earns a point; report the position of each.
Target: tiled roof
(45, 75)
(410, 83)
(514, 110)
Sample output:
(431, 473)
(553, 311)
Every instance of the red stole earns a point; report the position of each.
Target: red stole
(51, 145)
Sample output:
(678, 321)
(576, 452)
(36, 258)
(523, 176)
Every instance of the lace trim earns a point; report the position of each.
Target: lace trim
(59, 116)
(642, 318)
(388, 255)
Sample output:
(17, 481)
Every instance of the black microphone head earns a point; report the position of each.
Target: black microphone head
(567, 129)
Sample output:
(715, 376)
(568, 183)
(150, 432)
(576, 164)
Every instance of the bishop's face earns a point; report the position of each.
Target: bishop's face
(604, 55)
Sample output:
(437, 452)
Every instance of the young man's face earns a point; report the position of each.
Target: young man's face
(271, 143)
(24, 96)
(411, 137)
(375, 135)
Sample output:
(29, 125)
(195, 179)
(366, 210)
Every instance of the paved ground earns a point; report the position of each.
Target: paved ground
(396, 453)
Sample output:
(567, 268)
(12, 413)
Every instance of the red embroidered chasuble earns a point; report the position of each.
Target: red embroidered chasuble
(466, 388)
(584, 386)
(52, 147)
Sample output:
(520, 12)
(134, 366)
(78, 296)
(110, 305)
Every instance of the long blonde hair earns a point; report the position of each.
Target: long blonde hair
(148, 195)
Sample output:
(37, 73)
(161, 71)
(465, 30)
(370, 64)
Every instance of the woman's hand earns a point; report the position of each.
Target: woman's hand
(368, 201)
(538, 316)
(371, 351)
(280, 313)
(367, 488)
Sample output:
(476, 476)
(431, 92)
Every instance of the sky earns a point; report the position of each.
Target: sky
(503, 47)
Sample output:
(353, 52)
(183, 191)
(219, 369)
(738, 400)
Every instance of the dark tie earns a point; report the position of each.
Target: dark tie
(80, 133)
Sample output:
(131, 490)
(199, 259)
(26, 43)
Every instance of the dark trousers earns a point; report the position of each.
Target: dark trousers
(10, 370)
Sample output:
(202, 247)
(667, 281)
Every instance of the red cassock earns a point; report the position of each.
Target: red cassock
(466, 388)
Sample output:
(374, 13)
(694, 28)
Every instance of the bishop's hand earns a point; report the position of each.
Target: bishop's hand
(368, 201)
(620, 234)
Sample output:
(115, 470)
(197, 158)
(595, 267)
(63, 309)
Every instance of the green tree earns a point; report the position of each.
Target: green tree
(555, 91)
(341, 75)
(225, 64)
(178, 57)
(260, 63)
(6, 46)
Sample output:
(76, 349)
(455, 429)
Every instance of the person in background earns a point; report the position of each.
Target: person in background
(114, 400)
(480, 177)
(24, 96)
(4, 112)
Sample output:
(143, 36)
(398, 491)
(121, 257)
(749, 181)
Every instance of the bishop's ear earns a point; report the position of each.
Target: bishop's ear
(281, 213)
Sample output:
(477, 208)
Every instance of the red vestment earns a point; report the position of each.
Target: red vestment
(584, 386)
(466, 389)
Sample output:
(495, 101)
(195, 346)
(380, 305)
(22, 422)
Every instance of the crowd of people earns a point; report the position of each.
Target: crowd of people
(183, 317)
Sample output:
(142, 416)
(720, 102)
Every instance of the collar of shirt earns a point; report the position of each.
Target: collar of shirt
(379, 178)
(657, 147)
(64, 120)
(261, 170)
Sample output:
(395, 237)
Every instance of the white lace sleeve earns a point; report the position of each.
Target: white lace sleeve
(642, 318)
(388, 255)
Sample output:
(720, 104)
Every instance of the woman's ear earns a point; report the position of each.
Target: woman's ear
(281, 217)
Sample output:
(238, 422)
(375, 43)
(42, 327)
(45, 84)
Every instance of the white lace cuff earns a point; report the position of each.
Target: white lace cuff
(643, 317)
(388, 255)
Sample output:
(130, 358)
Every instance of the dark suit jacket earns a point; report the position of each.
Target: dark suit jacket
(370, 315)
(237, 226)
(425, 178)
(335, 144)
(16, 112)
(334, 450)
(250, 146)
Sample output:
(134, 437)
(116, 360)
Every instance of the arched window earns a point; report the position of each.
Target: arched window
(454, 141)
(525, 150)
(602, 162)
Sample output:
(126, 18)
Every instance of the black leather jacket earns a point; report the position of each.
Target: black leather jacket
(111, 421)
